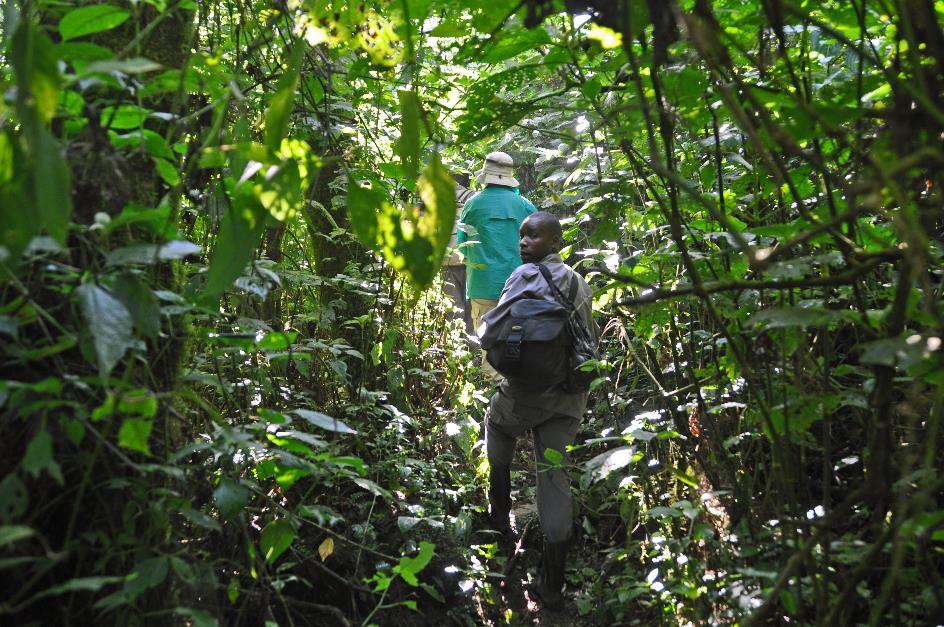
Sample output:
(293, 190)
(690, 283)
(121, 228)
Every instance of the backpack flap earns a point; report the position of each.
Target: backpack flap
(530, 344)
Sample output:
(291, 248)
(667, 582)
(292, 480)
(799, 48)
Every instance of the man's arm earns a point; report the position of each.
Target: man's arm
(466, 217)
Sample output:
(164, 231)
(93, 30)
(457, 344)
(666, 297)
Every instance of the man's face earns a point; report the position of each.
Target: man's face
(536, 242)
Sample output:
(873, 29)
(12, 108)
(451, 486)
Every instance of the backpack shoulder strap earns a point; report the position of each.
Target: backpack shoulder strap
(568, 303)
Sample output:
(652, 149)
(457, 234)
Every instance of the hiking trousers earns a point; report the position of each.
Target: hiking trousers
(503, 427)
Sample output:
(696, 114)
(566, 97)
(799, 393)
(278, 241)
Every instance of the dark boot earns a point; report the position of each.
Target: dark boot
(499, 498)
(550, 582)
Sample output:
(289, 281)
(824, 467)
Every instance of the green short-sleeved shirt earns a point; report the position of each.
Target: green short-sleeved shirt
(490, 222)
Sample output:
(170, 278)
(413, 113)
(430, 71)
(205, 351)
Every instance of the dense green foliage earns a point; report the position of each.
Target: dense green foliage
(233, 393)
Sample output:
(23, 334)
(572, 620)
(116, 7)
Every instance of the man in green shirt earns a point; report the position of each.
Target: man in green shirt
(489, 227)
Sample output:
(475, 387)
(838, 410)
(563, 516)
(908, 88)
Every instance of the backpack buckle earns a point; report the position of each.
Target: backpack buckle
(513, 343)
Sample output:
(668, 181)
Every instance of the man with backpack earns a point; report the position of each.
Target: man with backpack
(551, 410)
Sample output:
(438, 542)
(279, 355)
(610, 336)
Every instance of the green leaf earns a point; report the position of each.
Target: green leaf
(553, 456)
(79, 584)
(198, 618)
(415, 243)
(123, 117)
(10, 534)
(167, 171)
(688, 480)
(323, 421)
(276, 537)
(140, 301)
(90, 19)
(438, 191)
(38, 457)
(448, 29)
(230, 497)
(147, 574)
(134, 434)
(508, 47)
(276, 341)
(240, 232)
(13, 498)
(81, 53)
(139, 403)
(800, 317)
(408, 146)
(363, 204)
(34, 63)
(410, 566)
(279, 114)
(109, 322)
(51, 185)
(591, 89)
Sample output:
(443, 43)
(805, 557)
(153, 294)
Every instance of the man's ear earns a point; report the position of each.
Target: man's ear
(557, 244)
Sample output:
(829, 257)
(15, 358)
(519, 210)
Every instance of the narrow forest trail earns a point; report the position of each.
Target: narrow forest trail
(233, 392)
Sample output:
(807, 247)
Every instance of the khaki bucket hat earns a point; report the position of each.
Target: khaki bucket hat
(497, 170)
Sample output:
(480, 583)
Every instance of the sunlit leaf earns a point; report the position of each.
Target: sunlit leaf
(408, 146)
(135, 433)
(410, 566)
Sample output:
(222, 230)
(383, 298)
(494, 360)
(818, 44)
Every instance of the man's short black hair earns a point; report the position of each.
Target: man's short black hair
(549, 222)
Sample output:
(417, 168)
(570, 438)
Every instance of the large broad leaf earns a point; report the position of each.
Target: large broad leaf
(240, 232)
(279, 113)
(90, 19)
(408, 146)
(276, 537)
(323, 421)
(109, 322)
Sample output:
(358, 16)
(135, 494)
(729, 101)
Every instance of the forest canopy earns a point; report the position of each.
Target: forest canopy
(233, 391)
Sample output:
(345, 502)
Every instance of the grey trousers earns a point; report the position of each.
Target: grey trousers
(503, 427)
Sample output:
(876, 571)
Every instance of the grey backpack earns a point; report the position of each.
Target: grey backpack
(543, 343)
